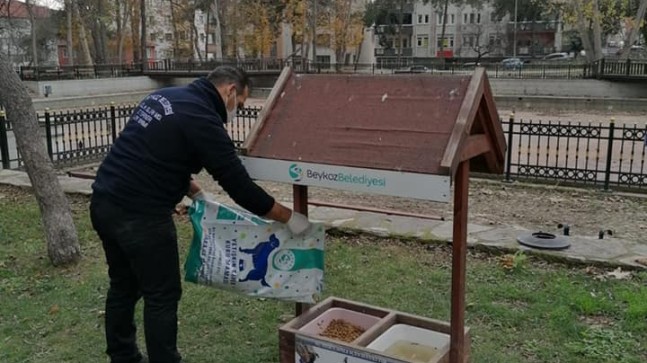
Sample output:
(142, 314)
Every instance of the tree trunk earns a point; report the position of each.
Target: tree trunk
(62, 241)
(584, 31)
(176, 37)
(102, 35)
(70, 40)
(86, 57)
(314, 31)
(10, 30)
(120, 28)
(134, 31)
(32, 23)
(635, 30)
(597, 31)
(218, 32)
(303, 38)
(96, 40)
(142, 43)
(196, 44)
(359, 48)
(207, 34)
(400, 20)
(122, 36)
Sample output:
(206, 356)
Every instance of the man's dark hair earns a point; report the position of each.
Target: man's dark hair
(228, 74)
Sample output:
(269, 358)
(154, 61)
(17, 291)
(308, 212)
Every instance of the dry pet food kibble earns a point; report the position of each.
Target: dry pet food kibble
(342, 330)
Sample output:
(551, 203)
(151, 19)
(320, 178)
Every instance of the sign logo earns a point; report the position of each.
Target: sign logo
(284, 260)
(296, 173)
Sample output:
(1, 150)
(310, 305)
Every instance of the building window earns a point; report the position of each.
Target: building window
(464, 18)
(472, 18)
(439, 19)
(423, 18)
(470, 41)
(495, 40)
(448, 43)
(452, 19)
(168, 36)
(323, 59)
(423, 41)
(478, 18)
(396, 43)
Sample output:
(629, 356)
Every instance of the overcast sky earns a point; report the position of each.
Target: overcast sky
(54, 4)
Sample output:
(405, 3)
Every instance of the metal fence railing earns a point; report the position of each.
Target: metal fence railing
(596, 154)
(75, 137)
(602, 154)
(48, 73)
(619, 69)
(629, 69)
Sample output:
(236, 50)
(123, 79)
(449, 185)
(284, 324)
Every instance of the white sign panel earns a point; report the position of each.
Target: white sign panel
(318, 351)
(400, 184)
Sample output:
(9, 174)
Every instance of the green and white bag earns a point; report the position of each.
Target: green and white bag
(235, 250)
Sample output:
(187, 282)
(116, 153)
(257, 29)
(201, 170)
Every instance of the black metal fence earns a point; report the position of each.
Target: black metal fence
(75, 137)
(48, 73)
(602, 154)
(597, 154)
(602, 69)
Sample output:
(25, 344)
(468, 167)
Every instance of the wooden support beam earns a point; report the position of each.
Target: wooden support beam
(475, 145)
(459, 255)
(300, 201)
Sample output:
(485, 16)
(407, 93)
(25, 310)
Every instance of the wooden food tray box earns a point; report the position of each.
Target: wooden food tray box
(300, 341)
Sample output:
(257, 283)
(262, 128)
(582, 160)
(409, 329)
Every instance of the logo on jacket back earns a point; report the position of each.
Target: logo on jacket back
(296, 173)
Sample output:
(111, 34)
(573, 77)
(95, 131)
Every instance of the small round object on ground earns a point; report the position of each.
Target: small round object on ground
(544, 241)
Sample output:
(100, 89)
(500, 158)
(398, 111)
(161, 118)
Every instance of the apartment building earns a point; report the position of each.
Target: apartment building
(470, 32)
(15, 32)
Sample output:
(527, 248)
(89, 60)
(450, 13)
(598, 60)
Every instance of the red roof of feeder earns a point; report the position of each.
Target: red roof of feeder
(415, 123)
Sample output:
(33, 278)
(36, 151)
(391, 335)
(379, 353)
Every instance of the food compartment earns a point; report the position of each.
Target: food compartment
(340, 324)
(411, 344)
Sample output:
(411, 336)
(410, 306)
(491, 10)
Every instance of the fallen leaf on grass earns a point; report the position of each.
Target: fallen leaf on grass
(507, 262)
(54, 309)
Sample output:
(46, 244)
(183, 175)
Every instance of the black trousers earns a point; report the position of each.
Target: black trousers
(142, 255)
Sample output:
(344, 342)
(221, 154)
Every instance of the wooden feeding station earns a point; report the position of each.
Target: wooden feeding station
(401, 135)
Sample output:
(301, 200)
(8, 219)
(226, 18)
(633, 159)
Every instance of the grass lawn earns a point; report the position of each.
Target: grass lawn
(538, 312)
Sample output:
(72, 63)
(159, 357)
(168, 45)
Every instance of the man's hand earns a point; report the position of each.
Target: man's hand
(298, 224)
(194, 190)
(200, 195)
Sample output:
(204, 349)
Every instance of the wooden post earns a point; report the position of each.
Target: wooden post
(459, 253)
(300, 201)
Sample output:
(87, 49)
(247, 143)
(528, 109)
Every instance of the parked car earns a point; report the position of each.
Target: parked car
(558, 57)
(512, 63)
(413, 69)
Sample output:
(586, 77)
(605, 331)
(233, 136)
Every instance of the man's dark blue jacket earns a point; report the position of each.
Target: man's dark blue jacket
(173, 133)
